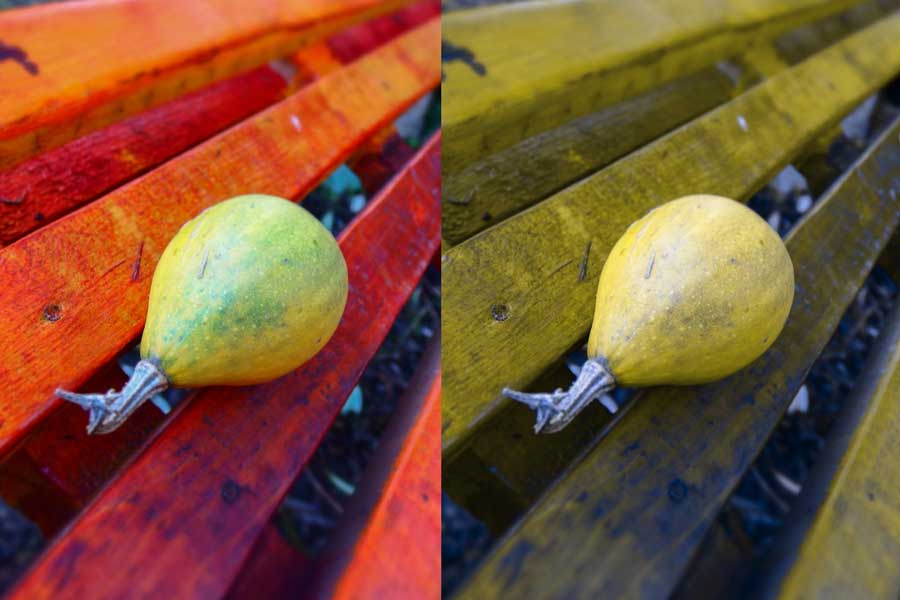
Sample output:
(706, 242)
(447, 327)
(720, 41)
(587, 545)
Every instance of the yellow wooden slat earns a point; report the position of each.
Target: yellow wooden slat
(853, 547)
(514, 301)
(515, 70)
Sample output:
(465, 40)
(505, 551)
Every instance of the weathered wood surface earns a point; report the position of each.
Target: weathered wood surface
(502, 285)
(274, 569)
(851, 548)
(58, 181)
(233, 452)
(141, 54)
(53, 334)
(488, 191)
(389, 545)
(627, 519)
(515, 70)
(74, 477)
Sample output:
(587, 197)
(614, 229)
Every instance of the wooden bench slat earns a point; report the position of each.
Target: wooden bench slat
(398, 554)
(500, 473)
(85, 260)
(57, 88)
(488, 191)
(233, 452)
(77, 476)
(528, 266)
(516, 70)
(851, 549)
(60, 180)
(626, 521)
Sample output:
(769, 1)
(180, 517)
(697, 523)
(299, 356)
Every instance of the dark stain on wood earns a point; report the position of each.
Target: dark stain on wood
(230, 491)
(512, 562)
(677, 491)
(451, 52)
(16, 54)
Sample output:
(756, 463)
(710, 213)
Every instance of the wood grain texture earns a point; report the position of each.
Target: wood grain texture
(233, 452)
(516, 70)
(850, 551)
(528, 266)
(488, 191)
(627, 519)
(501, 472)
(60, 180)
(49, 97)
(63, 179)
(54, 334)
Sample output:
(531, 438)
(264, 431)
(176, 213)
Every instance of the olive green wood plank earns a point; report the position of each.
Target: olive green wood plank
(801, 43)
(515, 70)
(514, 298)
(626, 521)
(852, 548)
(488, 191)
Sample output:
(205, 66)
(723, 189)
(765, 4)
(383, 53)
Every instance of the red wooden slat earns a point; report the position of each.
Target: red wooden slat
(179, 522)
(274, 569)
(398, 553)
(55, 182)
(68, 302)
(73, 67)
(369, 554)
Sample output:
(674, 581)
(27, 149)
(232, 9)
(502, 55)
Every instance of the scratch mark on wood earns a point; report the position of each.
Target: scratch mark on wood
(136, 269)
(560, 267)
(464, 201)
(17, 200)
(582, 272)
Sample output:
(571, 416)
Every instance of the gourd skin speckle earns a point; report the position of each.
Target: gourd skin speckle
(692, 292)
(245, 292)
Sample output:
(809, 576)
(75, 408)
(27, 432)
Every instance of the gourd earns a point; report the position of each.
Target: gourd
(694, 291)
(245, 292)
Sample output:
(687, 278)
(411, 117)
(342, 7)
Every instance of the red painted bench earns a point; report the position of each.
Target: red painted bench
(175, 506)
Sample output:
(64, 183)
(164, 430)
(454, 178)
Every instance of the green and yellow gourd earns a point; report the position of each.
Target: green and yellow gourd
(694, 291)
(245, 292)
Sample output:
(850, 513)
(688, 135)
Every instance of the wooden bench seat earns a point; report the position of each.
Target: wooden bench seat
(619, 505)
(75, 288)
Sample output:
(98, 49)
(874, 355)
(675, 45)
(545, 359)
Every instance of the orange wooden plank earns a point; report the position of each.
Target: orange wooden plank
(54, 183)
(181, 520)
(73, 67)
(68, 303)
(398, 555)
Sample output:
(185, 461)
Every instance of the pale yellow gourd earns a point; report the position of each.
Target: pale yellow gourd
(695, 290)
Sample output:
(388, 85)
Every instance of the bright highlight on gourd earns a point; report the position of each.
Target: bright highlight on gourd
(245, 292)
(694, 291)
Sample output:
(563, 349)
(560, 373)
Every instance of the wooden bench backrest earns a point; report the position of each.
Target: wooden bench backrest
(351, 87)
(623, 503)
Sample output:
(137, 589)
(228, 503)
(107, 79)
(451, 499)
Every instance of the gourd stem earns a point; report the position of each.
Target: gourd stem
(108, 411)
(557, 409)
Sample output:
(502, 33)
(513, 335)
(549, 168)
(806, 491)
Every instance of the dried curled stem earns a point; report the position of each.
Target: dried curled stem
(108, 411)
(557, 409)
